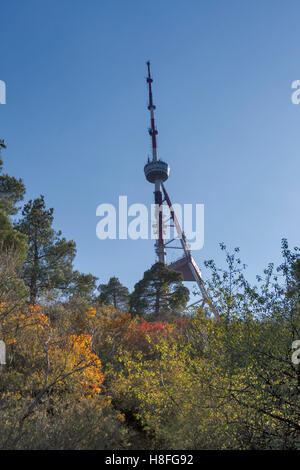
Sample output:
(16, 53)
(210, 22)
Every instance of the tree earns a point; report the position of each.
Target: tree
(51, 393)
(159, 294)
(114, 293)
(12, 240)
(82, 286)
(227, 384)
(12, 288)
(50, 256)
(11, 192)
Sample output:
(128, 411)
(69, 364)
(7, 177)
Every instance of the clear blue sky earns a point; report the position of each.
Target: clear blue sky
(76, 120)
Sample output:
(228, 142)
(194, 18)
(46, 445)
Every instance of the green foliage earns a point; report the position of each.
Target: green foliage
(160, 294)
(82, 286)
(114, 293)
(12, 287)
(227, 384)
(50, 256)
(65, 425)
(11, 192)
(11, 239)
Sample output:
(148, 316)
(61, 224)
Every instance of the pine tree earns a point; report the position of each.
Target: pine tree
(160, 294)
(82, 286)
(114, 293)
(50, 256)
(11, 192)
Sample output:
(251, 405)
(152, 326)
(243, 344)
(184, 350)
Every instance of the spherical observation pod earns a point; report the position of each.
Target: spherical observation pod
(158, 170)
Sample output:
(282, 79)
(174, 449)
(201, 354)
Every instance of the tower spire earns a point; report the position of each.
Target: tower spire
(152, 130)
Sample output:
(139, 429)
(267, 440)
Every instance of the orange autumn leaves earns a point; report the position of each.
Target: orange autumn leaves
(123, 331)
(68, 352)
(67, 360)
(80, 349)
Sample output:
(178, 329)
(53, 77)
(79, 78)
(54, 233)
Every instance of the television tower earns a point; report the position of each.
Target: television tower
(157, 172)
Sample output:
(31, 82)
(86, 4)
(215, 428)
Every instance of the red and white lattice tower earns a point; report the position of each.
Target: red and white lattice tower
(157, 172)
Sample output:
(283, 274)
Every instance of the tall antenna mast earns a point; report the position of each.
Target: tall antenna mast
(152, 130)
(157, 172)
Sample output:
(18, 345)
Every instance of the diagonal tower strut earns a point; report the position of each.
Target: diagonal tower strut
(187, 265)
